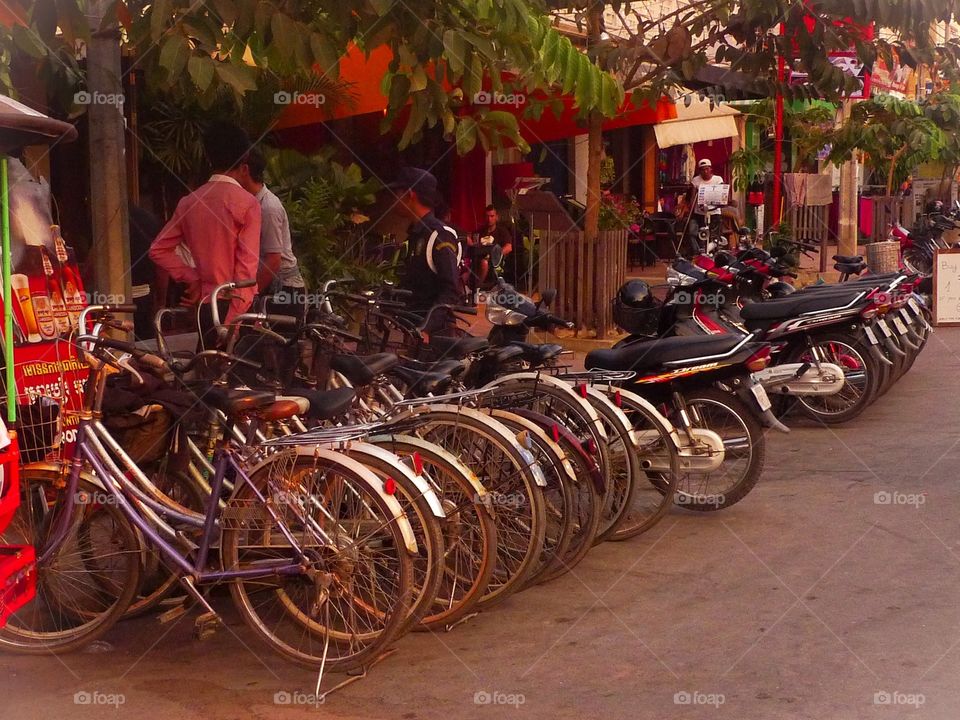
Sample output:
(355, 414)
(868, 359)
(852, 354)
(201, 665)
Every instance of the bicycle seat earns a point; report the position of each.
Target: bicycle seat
(650, 354)
(538, 354)
(458, 347)
(237, 402)
(326, 404)
(423, 383)
(361, 370)
(279, 409)
(453, 368)
(850, 268)
(847, 259)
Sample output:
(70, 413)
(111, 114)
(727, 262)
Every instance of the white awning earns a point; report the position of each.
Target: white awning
(697, 122)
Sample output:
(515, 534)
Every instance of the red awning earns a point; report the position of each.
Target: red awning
(364, 75)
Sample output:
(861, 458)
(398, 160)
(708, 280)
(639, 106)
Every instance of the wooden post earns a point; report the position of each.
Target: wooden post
(110, 250)
(848, 229)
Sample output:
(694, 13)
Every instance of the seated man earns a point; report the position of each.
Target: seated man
(493, 243)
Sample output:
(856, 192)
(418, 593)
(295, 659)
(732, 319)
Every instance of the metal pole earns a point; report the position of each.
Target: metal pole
(7, 294)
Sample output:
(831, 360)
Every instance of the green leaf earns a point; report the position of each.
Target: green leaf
(174, 53)
(586, 90)
(418, 79)
(284, 30)
(455, 51)
(551, 45)
(161, 13)
(226, 10)
(466, 135)
(201, 71)
(238, 77)
(325, 55)
(449, 122)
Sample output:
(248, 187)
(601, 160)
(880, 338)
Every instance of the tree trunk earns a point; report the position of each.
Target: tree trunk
(591, 221)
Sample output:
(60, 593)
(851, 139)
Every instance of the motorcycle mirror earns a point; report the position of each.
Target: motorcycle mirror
(547, 297)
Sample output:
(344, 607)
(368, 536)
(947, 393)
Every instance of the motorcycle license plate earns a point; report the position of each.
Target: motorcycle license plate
(871, 335)
(898, 324)
(913, 306)
(884, 328)
(760, 394)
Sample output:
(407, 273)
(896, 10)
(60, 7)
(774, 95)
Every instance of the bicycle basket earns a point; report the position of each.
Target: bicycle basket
(644, 320)
(39, 429)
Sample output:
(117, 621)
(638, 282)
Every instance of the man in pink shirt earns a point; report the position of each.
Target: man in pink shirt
(219, 224)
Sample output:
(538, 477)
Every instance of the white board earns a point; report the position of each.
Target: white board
(946, 287)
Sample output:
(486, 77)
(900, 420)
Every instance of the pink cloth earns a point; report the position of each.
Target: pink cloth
(219, 223)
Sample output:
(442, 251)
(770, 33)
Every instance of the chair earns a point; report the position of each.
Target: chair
(663, 232)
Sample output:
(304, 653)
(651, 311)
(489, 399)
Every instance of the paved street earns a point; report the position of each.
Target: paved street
(830, 592)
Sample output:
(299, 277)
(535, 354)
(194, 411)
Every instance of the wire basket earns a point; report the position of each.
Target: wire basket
(18, 579)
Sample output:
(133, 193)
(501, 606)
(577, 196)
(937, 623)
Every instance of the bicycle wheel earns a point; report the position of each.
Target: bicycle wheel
(506, 470)
(428, 562)
(557, 495)
(623, 465)
(89, 581)
(744, 446)
(469, 530)
(554, 398)
(354, 599)
(157, 580)
(659, 461)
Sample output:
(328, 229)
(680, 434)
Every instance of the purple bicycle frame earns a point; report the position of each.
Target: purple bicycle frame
(82, 451)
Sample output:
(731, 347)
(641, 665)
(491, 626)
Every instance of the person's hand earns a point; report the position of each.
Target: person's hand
(191, 296)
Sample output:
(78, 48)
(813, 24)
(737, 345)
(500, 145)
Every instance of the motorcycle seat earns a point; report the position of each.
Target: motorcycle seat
(457, 347)
(848, 258)
(361, 370)
(797, 304)
(641, 355)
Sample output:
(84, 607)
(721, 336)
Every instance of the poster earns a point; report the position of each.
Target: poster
(48, 297)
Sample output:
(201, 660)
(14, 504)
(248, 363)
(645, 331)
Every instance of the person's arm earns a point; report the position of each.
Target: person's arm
(448, 280)
(506, 240)
(163, 251)
(271, 245)
(246, 260)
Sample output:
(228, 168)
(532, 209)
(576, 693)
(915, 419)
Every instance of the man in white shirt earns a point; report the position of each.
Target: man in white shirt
(701, 215)
(278, 276)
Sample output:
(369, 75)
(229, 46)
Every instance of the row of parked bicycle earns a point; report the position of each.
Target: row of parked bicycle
(349, 486)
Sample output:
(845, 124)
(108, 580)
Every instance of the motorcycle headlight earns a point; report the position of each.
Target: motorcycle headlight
(502, 316)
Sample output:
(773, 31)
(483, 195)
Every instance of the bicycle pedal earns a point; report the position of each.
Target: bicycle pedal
(174, 613)
(206, 625)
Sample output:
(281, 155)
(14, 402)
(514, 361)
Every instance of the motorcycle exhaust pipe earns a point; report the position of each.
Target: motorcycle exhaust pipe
(879, 356)
(893, 347)
(769, 420)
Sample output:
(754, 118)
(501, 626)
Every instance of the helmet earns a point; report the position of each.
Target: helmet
(780, 289)
(635, 293)
(636, 309)
(934, 207)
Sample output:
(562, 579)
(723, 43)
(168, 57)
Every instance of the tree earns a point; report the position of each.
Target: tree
(442, 53)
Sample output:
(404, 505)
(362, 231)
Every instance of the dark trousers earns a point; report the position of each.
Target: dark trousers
(209, 338)
(291, 301)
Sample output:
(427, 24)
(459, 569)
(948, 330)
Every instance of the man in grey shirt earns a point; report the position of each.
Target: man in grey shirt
(279, 275)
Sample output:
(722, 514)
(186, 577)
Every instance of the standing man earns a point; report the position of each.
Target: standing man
(494, 241)
(702, 215)
(279, 277)
(219, 225)
(431, 271)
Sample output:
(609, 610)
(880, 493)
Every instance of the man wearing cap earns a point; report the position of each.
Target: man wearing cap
(701, 215)
(431, 272)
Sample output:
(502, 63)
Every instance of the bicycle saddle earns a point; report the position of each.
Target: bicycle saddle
(361, 370)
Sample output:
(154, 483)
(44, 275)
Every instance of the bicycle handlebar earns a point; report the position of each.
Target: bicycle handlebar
(215, 296)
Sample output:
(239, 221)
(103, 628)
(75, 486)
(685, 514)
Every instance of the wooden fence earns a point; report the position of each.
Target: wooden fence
(810, 223)
(585, 275)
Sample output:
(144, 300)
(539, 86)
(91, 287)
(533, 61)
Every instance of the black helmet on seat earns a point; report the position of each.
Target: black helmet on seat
(635, 293)
(934, 207)
(636, 309)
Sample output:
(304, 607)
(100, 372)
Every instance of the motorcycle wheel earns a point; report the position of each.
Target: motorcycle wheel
(863, 378)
